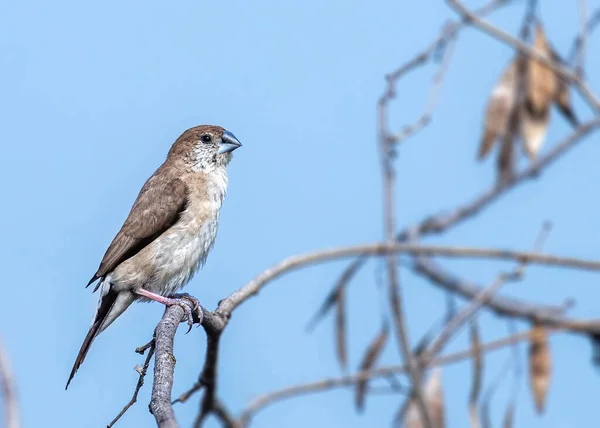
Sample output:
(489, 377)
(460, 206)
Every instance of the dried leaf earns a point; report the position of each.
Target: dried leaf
(332, 297)
(434, 399)
(340, 327)
(541, 79)
(506, 161)
(371, 355)
(541, 89)
(500, 104)
(562, 98)
(540, 365)
(533, 130)
(418, 351)
(477, 374)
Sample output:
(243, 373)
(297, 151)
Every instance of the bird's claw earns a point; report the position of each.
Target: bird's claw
(189, 313)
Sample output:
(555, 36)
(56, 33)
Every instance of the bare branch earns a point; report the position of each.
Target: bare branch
(394, 292)
(457, 321)
(350, 380)
(164, 366)
(589, 28)
(434, 93)
(447, 35)
(505, 306)
(142, 372)
(437, 224)
(580, 62)
(11, 405)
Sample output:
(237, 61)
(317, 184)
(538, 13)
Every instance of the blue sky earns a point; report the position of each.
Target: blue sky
(94, 94)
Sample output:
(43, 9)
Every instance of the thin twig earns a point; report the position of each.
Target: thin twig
(580, 62)
(394, 292)
(458, 320)
(11, 404)
(436, 224)
(409, 130)
(506, 307)
(350, 380)
(591, 25)
(447, 34)
(142, 372)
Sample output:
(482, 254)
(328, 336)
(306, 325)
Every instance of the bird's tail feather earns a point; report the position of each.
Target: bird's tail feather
(111, 305)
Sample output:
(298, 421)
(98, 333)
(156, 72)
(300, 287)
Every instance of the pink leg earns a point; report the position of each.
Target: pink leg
(176, 299)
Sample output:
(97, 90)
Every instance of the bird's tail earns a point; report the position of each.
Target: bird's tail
(111, 305)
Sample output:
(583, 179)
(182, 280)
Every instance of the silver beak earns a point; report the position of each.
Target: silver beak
(228, 143)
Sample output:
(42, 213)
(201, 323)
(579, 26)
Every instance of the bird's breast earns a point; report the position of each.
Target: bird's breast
(179, 252)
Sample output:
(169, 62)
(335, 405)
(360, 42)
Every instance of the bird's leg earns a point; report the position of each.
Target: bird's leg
(176, 299)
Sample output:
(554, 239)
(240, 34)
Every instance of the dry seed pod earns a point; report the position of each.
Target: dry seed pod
(540, 365)
(368, 362)
(500, 104)
(562, 98)
(541, 88)
(434, 399)
(477, 374)
(340, 327)
(541, 79)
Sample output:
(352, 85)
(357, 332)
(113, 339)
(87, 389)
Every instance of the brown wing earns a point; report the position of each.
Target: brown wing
(156, 208)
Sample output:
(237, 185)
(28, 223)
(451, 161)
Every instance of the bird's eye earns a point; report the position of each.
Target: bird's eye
(206, 138)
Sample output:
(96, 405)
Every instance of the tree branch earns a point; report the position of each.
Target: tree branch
(266, 400)
(142, 372)
(437, 224)
(11, 405)
(505, 306)
(164, 366)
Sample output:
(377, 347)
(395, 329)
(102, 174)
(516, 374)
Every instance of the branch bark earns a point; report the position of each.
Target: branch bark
(164, 366)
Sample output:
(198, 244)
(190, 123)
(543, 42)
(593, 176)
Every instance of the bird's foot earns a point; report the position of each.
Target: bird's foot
(178, 299)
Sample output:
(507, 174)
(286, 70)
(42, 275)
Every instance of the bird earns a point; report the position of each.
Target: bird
(168, 233)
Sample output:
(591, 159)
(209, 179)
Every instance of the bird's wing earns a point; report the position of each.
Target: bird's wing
(156, 208)
(500, 103)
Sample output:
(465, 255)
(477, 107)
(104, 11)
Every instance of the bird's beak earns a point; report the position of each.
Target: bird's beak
(228, 143)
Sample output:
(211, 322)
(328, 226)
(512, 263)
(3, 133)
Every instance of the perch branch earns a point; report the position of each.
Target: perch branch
(164, 366)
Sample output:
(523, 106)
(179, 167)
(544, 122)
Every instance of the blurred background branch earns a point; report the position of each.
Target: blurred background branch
(9, 393)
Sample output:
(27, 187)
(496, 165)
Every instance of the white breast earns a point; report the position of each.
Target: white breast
(181, 251)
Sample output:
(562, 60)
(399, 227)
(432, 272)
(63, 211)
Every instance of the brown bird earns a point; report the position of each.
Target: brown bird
(500, 104)
(541, 87)
(169, 231)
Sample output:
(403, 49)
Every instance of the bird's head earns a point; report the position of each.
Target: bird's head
(205, 147)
